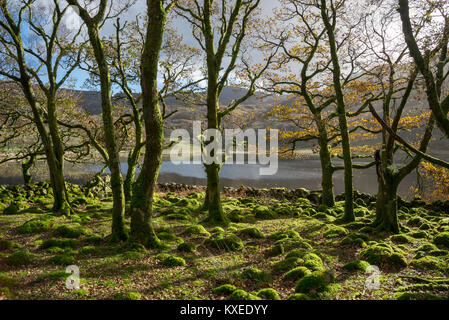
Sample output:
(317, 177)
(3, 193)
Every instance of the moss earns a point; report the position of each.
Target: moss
(383, 254)
(287, 234)
(186, 247)
(132, 255)
(72, 231)
(62, 259)
(296, 253)
(317, 281)
(196, 230)
(366, 229)
(296, 273)
(417, 296)
(93, 239)
(288, 264)
(426, 248)
(263, 212)
(236, 216)
(359, 239)
(5, 293)
(255, 274)
(11, 210)
(357, 265)
(8, 245)
(400, 238)
(334, 231)
(88, 250)
(6, 281)
(128, 295)
(275, 250)
(242, 295)
(173, 261)
(33, 226)
(229, 242)
(313, 262)
(53, 275)
(177, 216)
(419, 235)
(268, 294)
(298, 296)
(20, 258)
(442, 239)
(167, 236)
(430, 263)
(61, 243)
(251, 232)
(361, 212)
(224, 290)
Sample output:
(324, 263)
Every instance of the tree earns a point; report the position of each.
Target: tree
(218, 41)
(51, 48)
(93, 23)
(438, 104)
(143, 192)
(303, 72)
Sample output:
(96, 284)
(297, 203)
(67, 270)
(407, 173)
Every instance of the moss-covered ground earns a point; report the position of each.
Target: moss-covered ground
(272, 249)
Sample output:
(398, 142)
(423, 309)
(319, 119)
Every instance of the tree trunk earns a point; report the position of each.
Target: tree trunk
(118, 207)
(343, 123)
(387, 206)
(216, 214)
(26, 166)
(143, 192)
(327, 170)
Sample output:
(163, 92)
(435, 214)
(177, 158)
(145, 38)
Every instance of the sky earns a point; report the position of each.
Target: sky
(139, 8)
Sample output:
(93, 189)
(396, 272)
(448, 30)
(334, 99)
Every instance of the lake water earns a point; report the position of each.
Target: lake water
(291, 174)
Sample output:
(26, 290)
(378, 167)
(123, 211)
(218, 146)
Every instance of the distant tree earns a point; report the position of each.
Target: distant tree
(220, 28)
(45, 58)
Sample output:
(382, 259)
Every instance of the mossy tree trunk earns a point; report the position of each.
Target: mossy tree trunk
(143, 192)
(327, 169)
(93, 25)
(26, 167)
(341, 111)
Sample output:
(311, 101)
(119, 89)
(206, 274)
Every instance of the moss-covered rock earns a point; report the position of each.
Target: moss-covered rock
(313, 262)
(333, 231)
(173, 261)
(240, 294)
(129, 295)
(62, 259)
(255, 274)
(20, 258)
(72, 231)
(298, 296)
(417, 296)
(357, 265)
(11, 209)
(8, 245)
(268, 294)
(33, 226)
(186, 247)
(430, 263)
(401, 238)
(252, 232)
(196, 230)
(288, 264)
(296, 273)
(227, 242)
(224, 290)
(263, 212)
(275, 250)
(383, 254)
(88, 250)
(442, 239)
(359, 239)
(317, 281)
(61, 243)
